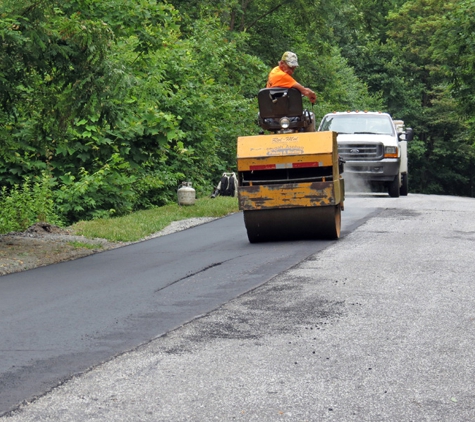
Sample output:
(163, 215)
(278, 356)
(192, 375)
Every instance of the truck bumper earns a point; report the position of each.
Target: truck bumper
(377, 171)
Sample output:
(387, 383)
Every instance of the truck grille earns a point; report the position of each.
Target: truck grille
(361, 152)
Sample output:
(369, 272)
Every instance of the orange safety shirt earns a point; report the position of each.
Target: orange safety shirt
(277, 77)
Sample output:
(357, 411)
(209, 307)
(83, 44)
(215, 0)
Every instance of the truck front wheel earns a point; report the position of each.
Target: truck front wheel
(393, 187)
(404, 185)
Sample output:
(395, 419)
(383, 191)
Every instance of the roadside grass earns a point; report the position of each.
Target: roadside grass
(83, 245)
(140, 224)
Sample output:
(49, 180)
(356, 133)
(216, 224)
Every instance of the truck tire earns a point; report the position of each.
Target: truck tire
(393, 187)
(404, 189)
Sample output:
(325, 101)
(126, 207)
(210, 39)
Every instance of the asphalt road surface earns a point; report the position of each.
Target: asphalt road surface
(60, 320)
(378, 326)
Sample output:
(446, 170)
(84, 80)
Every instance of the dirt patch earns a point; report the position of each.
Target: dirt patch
(44, 244)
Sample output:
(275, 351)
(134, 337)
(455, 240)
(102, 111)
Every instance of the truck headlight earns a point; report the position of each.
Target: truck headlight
(390, 152)
(284, 122)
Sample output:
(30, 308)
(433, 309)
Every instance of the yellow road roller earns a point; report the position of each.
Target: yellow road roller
(290, 183)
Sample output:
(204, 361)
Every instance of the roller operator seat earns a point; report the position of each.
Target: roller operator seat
(275, 104)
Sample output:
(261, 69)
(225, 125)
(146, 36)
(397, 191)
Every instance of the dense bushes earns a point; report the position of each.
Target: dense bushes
(26, 204)
(111, 191)
(115, 105)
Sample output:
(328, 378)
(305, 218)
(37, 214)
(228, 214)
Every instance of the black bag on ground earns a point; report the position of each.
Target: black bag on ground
(227, 186)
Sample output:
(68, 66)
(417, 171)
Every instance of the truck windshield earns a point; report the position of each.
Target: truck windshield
(358, 123)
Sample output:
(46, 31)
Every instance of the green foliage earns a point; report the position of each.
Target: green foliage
(453, 46)
(300, 26)
(104, 193)
(26, 204)
(208, 80)
(156, 188)
(122, 101)
(433, 106)
(52, 68)
(414, 54)
(117, 106)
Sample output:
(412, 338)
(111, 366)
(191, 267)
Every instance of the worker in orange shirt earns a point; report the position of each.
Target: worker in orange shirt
(281, 76)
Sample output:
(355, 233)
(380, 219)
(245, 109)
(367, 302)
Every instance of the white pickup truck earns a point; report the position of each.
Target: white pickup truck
(374, 148)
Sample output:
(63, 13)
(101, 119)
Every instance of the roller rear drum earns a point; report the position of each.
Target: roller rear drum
(293, 223)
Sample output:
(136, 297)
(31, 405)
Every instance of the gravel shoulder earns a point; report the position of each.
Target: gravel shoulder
(45, 244)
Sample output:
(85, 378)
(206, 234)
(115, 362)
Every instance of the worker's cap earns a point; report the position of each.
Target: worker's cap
(290, 58)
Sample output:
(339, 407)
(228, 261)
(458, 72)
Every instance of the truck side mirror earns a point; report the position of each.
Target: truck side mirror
(409, 134)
